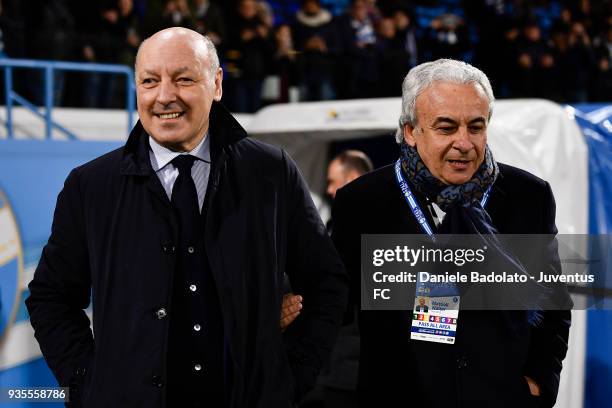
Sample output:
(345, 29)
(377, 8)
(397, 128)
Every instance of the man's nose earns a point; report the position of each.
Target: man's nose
(167, 92)
(462, 142)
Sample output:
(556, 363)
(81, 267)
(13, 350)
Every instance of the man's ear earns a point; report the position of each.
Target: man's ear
(409, 135)
(352, 175)
(218, 85)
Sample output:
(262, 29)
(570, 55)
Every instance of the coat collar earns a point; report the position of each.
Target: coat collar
(223, 130)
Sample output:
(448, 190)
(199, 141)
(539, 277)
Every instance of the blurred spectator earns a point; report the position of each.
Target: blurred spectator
(2, 35)
(209, 20)
(315, 38)
(11, 29)
(265, 13)
(11, 41)
(122, 27)
(310, 18)
(360, 66)
(601, 81)
(248, 57)
(447, 37)
(406, 35)
(373, 12)
(50, 30)
(386, 33)
(565, 17)
(152, 19)
(564, 60)
(177, 13)
(532, 62)
(160, 14)
(545, 12)
(284, 62)
(494, 23)
(113, 39)
(133, 36)
(50, 35)
(364, 52)
(394, 60)
(573, 59)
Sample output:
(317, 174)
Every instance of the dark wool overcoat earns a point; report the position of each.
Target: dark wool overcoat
(113, 243)
(494, 350)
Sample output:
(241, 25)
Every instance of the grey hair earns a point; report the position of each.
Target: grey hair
(212, 53)
(424, 75)
(211, 50)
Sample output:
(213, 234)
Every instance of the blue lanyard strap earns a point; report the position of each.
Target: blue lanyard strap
(414, 205)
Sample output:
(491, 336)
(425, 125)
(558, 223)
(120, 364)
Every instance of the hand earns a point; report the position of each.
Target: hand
(512, 34)
(88, 53)
(183, 7)
(292, 304)
(547, 61)
(524, 61)
(247, 35)
(111, 16)
(316, 43)
(262, 31)
(534, 388)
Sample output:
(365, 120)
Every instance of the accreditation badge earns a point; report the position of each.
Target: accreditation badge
(435, 313)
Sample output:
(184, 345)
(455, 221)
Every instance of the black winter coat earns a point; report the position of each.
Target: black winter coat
(114, 237)
(487, 364)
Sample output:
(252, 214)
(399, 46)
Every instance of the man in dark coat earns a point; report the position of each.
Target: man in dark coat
(499, 358)
(186, 304)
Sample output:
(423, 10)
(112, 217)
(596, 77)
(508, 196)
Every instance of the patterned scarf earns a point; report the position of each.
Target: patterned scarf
(465, 215)
(445, 195)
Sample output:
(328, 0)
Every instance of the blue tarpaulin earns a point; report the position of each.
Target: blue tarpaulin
(596, 124)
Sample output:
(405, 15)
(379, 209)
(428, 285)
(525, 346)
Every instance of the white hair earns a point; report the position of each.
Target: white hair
(424, 75)
(212, 54)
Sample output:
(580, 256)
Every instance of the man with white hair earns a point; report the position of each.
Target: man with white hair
(446, 174)
(181, 239)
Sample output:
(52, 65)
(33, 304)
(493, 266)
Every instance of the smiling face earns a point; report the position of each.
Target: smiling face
(451, 130)
(175, 88)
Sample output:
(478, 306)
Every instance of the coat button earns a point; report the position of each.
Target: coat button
(193, 288)
(161, 313)
(462, 362)
(197, 367)
(168, 248)
(197, 327)
(191, 250)
(157, 381)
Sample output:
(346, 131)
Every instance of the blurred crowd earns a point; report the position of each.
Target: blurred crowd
(308, 50)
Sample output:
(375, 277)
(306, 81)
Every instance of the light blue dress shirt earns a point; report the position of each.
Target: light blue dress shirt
(161, 158)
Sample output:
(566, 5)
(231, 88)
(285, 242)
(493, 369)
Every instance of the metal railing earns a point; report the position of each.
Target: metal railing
(49, 68)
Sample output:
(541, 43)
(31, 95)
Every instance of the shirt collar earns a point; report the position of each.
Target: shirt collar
(161, 156)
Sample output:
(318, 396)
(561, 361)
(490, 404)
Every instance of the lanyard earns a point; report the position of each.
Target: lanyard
(414, 206)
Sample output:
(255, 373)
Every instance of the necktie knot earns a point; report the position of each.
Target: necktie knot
(183, 163)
